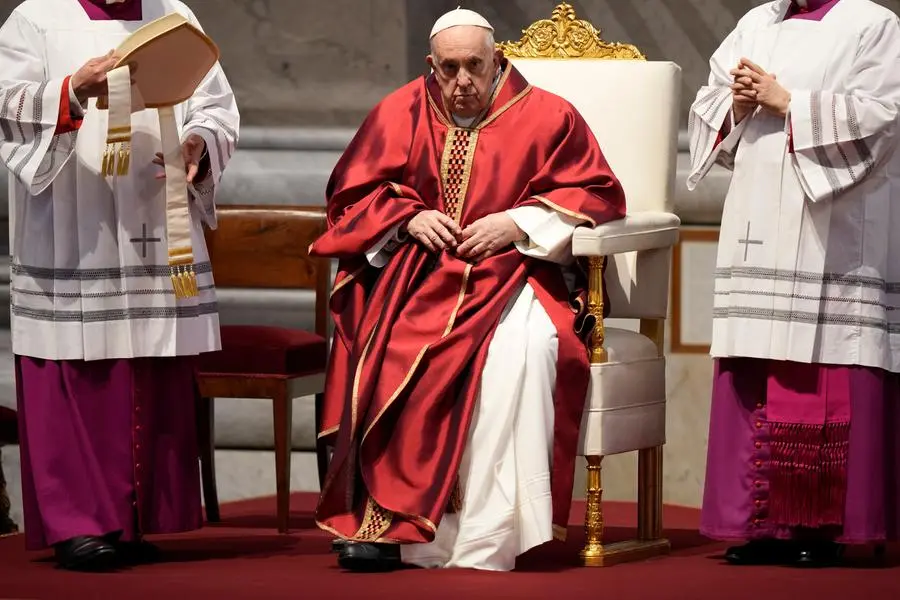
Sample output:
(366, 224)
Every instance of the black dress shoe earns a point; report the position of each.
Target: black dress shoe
(819, 554)
(763, 552)
(369, 558)
(86, 553)
(339, 544)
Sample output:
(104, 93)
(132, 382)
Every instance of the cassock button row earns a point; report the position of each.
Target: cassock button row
(758, 503)
(759, 424)
(758, 464)
(759, 406)
(758, 483)
(758, 445)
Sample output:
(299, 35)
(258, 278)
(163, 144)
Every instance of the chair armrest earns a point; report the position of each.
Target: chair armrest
(633, 233)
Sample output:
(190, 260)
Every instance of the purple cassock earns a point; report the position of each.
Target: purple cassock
(108, 446)
(803, 450)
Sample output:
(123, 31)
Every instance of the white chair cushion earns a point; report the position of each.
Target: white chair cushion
(633, 108)
(626, 405)
(635, 232)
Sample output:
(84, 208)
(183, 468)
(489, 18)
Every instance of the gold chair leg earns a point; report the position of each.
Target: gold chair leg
(649, 542)
(592, 553)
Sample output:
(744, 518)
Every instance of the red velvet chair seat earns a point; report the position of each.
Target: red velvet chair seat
(251, 350)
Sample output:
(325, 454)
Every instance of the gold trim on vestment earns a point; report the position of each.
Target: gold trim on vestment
(346, 280)
(376, 521)
(496, 114)
(405, 382)
(412, 369)
(354, 399)
(328, 431)
(504, 76)
(566, 211)
(454, 177)
(441, 116)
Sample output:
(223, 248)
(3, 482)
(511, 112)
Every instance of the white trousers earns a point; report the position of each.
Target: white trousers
(505, 469)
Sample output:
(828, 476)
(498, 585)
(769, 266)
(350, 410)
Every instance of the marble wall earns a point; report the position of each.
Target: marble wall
(305, 62)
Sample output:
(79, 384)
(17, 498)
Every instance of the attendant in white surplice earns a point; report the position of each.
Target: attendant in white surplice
(802, 104)
(103, 348)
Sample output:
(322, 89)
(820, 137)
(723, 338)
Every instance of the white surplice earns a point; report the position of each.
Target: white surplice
(808, 267)
(90, 274)
(504, 475)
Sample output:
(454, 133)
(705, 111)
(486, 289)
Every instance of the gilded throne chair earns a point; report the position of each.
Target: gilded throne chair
(631, 105)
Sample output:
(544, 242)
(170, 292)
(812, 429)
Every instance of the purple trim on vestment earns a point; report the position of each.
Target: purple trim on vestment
(815, 10)
(99, 10)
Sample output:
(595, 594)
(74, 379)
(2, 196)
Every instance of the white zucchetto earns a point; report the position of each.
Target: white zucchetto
(460, 16)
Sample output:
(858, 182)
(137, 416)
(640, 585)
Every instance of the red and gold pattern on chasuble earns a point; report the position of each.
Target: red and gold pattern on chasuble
(411, 338)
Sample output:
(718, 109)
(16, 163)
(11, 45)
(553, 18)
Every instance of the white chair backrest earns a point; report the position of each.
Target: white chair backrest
(632, 108)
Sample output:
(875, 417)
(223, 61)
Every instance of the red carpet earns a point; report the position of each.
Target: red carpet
(244, 558)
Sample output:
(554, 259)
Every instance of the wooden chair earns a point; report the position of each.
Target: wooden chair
(265, 247)
(8, 435)
(631, 105)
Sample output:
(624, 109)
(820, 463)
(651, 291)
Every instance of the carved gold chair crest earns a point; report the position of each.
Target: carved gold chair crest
(631, 105)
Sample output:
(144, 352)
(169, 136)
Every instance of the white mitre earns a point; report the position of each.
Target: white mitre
(460, 16)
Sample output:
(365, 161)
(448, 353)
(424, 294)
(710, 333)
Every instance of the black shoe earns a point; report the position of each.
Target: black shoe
(86, 553)
(369, 558)
(762, 552)
(339, 544)
(820, 554)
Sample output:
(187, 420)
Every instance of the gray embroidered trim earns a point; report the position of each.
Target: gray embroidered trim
(101, 274)
(127, 314)
(117, 294)
(796, 316)
(835, 299)
(815, 109)
(38, 128)
(807, 277)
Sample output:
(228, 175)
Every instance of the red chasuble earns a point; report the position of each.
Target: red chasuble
(411, 338)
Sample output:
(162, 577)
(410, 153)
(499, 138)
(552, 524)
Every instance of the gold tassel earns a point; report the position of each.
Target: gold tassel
(176, 283)
(113, 153)
(104, 168)
(184, 281)
(124, 158)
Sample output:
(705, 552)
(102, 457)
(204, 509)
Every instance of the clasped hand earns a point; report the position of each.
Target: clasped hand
(754, 87)
(478, 241)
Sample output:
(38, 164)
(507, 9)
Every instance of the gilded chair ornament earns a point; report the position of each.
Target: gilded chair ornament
(563, 35)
